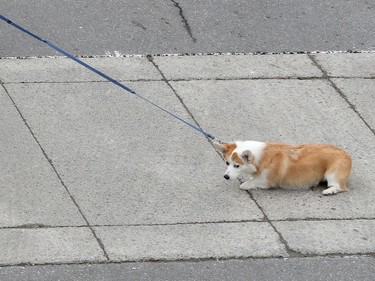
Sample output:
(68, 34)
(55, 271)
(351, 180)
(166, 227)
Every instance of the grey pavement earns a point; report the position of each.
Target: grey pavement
(94, 179)
(296, 269)
(188, 26)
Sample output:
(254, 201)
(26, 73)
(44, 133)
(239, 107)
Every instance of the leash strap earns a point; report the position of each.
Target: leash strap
(209, 136)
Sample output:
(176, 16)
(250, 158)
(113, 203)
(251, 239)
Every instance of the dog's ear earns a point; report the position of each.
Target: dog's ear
(220, 147)
(247, 156)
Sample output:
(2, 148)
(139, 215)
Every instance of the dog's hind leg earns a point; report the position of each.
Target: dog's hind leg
(336, 178)
(333, 186)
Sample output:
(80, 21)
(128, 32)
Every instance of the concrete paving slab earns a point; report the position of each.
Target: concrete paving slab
(347, 65)
(127, 163)
(281, 269)
(295, 112)
(194, 241)
(145, 180)
(360, 93)
(311, 204)
(48, 245)
(30, 193)
(327, 237)
(236, 66)
(66, 70)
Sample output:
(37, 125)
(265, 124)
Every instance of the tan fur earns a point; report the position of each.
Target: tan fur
(304, 165)
(237, 159)
(229, 147)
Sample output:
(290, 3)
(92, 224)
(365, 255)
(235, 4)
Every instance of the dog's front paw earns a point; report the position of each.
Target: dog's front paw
(247, 186)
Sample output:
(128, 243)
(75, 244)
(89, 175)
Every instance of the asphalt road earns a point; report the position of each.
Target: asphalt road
(188, 26)
(308, 269)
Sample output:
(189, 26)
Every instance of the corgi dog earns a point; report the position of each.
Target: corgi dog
(272, 165)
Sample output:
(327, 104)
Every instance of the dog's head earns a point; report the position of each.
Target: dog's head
(239, 161)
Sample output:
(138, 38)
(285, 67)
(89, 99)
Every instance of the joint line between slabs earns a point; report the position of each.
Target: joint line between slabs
(151, 60)
(289, 251)
(54, 169)
(339, 91)
(264, 220)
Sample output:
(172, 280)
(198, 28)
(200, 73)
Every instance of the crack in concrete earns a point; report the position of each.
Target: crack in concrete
(56, 173)
(184, 20)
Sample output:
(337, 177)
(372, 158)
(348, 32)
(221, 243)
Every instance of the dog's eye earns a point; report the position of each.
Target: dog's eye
(236, 166)
(227, 163)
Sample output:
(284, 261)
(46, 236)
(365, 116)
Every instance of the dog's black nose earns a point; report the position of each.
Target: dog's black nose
(226, 177)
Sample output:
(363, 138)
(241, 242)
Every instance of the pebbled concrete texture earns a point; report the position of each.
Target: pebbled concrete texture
(184, 242)
(237, 67)
(339, 237)
(80, 154)
(291, 111)
(360, 93)
(30, 193)
(121, 167)
(65, 70)
(54, 245)
(347, 65)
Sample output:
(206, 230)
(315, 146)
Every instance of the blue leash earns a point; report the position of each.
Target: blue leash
(209, 136)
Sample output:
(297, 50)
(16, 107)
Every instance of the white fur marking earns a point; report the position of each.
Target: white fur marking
(331, 190)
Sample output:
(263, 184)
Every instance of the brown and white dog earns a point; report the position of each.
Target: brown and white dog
(287, 166)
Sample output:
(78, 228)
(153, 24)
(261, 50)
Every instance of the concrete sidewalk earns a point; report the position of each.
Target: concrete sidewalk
(91, 174)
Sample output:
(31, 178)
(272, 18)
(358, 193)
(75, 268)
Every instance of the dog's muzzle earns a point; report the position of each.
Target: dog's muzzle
(227, 177)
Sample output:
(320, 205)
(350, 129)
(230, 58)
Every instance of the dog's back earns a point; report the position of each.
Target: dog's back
(296, 166)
